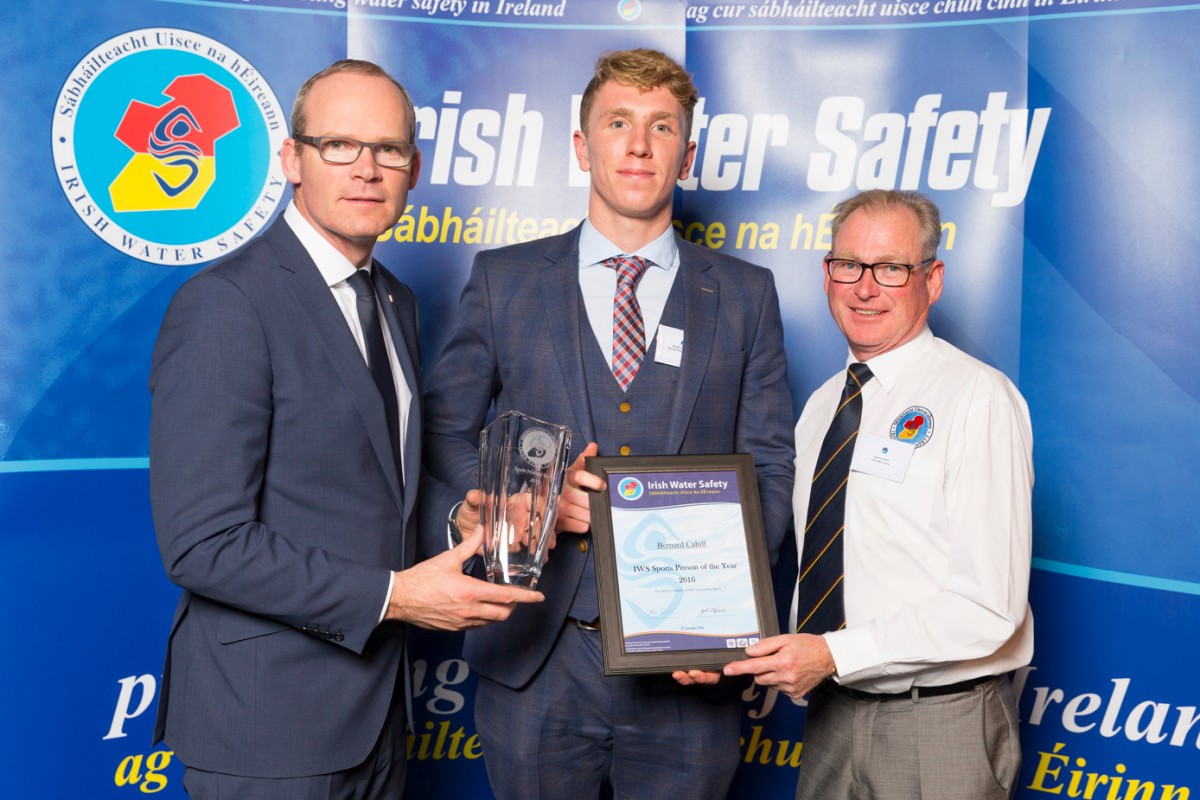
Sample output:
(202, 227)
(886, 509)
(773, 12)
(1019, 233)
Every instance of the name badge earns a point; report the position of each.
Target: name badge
(881, 456)
(669, 346)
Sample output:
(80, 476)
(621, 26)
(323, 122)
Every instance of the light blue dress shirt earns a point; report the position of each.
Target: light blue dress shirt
(599, 283)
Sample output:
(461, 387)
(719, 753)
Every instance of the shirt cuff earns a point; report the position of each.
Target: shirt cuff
(387, 600)
(853, 651)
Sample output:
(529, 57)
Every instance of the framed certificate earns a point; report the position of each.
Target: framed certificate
(682, 571)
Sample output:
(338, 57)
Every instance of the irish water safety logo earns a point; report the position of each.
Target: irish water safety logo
(914, 426)
(629, 488)
(165, 145)
(629, 10)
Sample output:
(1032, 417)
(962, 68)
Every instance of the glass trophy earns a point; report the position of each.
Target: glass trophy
(522, 462)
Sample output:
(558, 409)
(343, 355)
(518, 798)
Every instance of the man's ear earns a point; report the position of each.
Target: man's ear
(414, 170)
(581, 153)
(689, 155)
(933, 281)
(289, 158)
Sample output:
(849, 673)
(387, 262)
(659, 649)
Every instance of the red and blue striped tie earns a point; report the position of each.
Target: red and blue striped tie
(629, 332)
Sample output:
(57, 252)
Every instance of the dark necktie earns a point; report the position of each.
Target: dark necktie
(377, 357)
(629, 332)
(821, 607)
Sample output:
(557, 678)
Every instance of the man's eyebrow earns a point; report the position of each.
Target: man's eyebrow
(892, 259)
(628, 112)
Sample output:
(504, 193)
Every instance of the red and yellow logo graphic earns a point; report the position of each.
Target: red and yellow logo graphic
(174, 146)
(911, 427)
(914, 426)
(139, 127)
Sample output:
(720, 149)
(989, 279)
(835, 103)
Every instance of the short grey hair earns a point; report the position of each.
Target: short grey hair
(299, 112)
(928, 215)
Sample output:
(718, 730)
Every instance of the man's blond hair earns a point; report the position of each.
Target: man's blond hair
(644, 69)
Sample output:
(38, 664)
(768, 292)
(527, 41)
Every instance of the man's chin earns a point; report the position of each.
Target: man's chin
(368, 230)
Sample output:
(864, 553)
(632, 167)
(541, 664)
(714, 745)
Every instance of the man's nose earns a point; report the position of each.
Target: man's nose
(866, 286)
(365, 164)
(639, 142)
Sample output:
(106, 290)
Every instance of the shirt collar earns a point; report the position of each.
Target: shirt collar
(333, 266)
(594, 248)
(887, 368)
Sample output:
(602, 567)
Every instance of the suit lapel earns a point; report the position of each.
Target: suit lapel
(303, 280)
(559, 284)
(700, 303)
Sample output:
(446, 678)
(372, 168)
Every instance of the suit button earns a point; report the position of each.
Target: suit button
(625, 450)
(337, 637)
(583, 545)
(625, 407)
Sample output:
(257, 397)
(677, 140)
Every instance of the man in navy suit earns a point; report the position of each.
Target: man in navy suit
(535, 334)
(284, 470)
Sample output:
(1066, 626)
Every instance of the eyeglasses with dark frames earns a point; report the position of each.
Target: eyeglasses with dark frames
(343, 150)
(885, 273)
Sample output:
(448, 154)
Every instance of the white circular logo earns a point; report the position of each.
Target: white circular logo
(164, 143)
(629, 10)
(537, 446)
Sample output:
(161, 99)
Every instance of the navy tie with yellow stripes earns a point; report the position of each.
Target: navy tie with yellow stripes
(821, 607)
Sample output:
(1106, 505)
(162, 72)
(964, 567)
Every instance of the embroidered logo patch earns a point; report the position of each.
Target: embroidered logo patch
(914, 426)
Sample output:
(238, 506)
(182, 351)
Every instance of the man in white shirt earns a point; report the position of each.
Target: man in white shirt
(284, 467)
(910, 695)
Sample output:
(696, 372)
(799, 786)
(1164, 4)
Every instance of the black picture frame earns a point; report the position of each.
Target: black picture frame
(622, 660)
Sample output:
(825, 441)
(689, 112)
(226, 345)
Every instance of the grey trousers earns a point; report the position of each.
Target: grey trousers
(951, 747)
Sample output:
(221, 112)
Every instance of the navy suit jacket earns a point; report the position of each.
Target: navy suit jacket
(278, 509)
(518, 345)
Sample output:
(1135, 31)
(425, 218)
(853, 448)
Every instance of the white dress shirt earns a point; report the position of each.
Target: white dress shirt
(936, 566)
(599, 283)
(336, 269)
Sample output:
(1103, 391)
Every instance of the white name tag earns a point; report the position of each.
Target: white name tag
(881, 456)
(669, 346)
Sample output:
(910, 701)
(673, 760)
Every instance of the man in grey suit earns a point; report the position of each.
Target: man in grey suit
(284, 471)
(699, 369)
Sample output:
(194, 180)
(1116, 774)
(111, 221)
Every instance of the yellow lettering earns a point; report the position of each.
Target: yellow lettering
(155, 764)
(129, 771)
(1044, 770)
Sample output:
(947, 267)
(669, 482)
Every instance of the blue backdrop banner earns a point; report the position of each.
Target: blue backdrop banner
(1056, 135)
